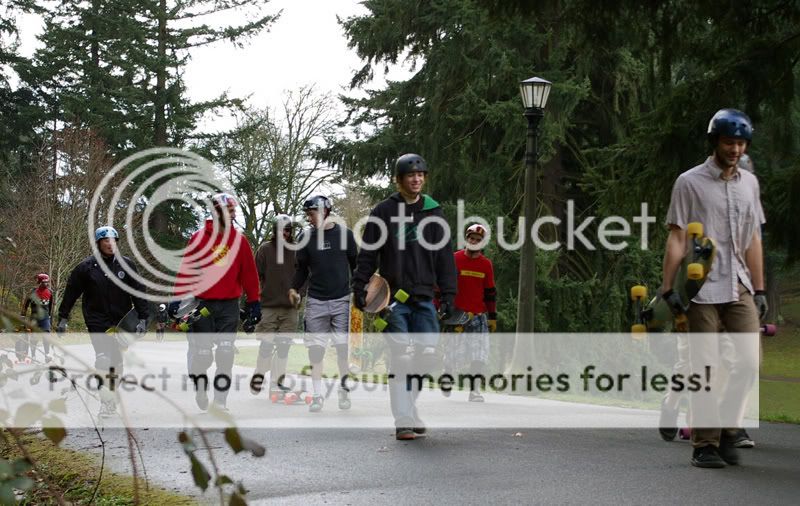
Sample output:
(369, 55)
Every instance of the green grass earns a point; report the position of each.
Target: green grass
(76, 474)
(780, 400)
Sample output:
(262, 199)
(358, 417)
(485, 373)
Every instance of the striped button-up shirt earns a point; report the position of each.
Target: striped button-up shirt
(730, 211)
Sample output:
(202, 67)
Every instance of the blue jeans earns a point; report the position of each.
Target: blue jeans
(414, 324)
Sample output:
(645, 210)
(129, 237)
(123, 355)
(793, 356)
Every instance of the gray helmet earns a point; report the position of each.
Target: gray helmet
(730, 123)
(410, 162)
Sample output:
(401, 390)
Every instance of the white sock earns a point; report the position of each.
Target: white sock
(317, 383)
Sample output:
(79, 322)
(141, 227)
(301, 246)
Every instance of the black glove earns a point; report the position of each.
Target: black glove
(360, 299)
(254, 309)
(445, 310)
(674, 302)
(760, 299)
(172, 309)
(141, 328)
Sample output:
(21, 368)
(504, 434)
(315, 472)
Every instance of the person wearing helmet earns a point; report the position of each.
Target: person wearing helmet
(275, 266)
(415, 256)
(725, 199)
(40, 303)
(468, 351)
(324, 262)
(104, 303)
(220, 253)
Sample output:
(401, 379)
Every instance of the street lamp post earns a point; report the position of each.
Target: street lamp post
(535, 92)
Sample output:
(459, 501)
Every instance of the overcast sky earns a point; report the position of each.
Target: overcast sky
(305, 46)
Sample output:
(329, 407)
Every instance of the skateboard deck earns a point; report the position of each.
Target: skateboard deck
(656, 315)
(125, 330)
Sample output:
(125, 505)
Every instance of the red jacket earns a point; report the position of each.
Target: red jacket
(213, 274)
(476, 291)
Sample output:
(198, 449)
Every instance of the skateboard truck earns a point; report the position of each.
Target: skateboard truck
(248, 325)
(381, 321)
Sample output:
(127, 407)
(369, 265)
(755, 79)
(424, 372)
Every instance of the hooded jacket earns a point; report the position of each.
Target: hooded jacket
(403, 260)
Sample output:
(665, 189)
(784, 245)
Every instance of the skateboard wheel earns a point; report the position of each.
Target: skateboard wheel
(380, 324)
(695, 271)
(274, 398)
(183, 327)
(685, 433)
(401, 295)
(639, 328)
(205, 312)
(769, 329)
(638, 292)
(695, 229)
(308, 399)
(290, 399)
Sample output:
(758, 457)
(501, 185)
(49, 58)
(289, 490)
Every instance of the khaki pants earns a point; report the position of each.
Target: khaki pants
(741, 356)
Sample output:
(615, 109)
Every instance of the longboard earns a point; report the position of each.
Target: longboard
(656, 315)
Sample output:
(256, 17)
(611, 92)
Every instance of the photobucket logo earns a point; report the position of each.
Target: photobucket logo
(135, 188)
(401, 231)
(611, 233)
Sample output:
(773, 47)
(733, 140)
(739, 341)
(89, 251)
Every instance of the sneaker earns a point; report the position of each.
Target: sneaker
(475, 396)
(708, 457)
(220, 405)
(316, 404)
(728, 452)
(201, 398)
(344, 399)
(107, 409)
(667, 422)
(405, 434)
(420, 430)
(743, 440)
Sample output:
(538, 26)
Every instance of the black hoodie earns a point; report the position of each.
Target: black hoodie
(417, 269)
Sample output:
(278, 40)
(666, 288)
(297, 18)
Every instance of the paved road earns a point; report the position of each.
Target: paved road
(343, 464)
(473, 466)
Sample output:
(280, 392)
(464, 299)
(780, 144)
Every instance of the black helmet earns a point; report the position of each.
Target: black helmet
(410, 163)
(317, 202)
(730, 123)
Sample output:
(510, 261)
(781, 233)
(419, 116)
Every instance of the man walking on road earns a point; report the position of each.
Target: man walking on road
(725, 199)
(217, 266)
(415, 256)
(325, 261)
(275, 265)
(104, 302)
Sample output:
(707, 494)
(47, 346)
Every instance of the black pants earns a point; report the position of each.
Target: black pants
(107, 353)
(217, 329)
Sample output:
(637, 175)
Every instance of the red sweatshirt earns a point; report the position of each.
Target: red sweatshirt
(476, 290)
(214, 262)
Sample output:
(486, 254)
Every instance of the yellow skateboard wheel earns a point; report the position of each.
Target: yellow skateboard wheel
(695, 271)
(638, 328)
(638, 292)
(401, 295)
(380, 324)
(205, 312)
(695, 229)
(183, 327)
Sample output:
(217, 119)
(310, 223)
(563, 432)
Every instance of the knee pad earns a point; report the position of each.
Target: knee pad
(428, 359)
(283, 350)
(401, 360)
(316, 354)
(102, 362)
(226, 348)
(265, 349)
(200, 359)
